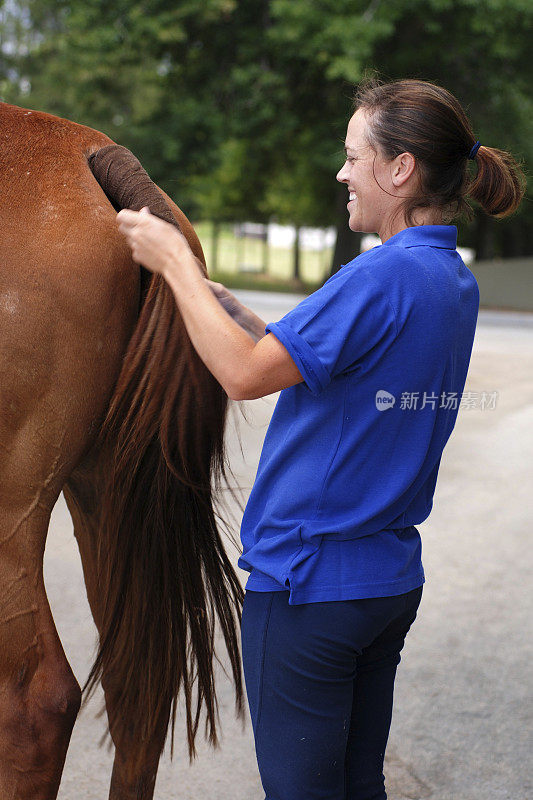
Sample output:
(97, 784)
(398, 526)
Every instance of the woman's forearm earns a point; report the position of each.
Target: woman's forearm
(223, 343)
(251, 323)
(246, 318)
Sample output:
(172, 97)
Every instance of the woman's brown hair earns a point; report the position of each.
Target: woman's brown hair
(428, 121)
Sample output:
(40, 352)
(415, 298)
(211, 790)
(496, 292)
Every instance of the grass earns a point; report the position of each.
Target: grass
(240, 263)
(264, 283)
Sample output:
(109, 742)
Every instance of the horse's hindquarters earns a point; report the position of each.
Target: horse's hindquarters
(69, 295)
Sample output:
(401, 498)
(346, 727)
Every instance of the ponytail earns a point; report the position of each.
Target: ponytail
(499, 183)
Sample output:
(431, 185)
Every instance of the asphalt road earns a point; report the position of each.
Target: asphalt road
(461, 726)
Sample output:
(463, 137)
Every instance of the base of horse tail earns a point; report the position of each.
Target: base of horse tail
(165, 578)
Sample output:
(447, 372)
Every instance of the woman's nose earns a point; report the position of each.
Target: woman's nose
(341, 175)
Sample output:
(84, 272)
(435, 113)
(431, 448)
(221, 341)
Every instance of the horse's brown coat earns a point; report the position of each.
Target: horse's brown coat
(69, 303)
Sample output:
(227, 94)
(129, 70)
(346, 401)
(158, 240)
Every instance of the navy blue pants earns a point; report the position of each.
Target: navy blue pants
(319, 679)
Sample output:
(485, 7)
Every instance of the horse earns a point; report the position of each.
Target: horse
(103, 397)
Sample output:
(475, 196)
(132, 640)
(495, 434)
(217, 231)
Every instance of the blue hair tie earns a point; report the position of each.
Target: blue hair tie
(472, 153)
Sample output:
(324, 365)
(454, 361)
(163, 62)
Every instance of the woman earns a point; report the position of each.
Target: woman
(371, 368)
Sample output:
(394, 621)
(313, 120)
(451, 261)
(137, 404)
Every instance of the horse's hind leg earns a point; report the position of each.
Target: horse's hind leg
(55, 367)
(82, 493)
(39, 695)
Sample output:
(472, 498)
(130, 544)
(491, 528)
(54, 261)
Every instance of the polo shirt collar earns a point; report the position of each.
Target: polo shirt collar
(443, 236)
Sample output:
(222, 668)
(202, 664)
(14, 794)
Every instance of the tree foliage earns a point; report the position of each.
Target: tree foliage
(238, 108)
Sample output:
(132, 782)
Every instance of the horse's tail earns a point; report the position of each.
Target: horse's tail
(164, 575)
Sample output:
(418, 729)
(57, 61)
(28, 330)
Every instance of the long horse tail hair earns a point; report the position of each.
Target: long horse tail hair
(165, 578)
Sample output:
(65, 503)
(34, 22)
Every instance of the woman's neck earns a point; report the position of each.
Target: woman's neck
(422, 216)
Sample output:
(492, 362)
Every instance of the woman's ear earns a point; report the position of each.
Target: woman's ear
(402, 168)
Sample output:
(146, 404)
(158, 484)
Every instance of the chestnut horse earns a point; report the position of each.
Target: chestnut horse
(103, 397)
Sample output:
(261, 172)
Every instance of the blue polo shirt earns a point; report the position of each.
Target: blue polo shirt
(350, 459)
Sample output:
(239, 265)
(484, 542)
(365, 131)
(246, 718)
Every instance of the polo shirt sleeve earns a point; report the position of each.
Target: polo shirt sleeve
(333, 329)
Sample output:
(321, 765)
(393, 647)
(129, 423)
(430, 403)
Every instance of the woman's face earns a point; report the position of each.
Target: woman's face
(366, 175)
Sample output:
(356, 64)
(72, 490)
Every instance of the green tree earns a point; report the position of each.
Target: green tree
(478, 49)
(239, 108)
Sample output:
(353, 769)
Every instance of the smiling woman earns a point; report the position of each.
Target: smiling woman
(329, 532)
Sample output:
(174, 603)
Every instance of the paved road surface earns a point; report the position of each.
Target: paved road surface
(461, 726)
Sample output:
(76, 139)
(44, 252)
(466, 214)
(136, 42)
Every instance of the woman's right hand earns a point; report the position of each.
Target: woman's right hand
(226, 299)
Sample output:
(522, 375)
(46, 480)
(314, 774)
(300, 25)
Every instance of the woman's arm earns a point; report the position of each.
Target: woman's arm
(246, 369)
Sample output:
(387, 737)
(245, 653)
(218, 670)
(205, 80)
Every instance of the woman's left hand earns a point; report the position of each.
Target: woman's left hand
(154, 243)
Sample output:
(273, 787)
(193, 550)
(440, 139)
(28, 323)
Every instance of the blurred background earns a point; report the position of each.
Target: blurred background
(238, 109)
